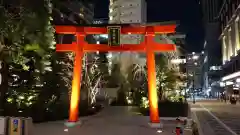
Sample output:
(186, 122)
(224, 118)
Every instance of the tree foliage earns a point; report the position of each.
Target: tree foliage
(166, 78)
(34, 70)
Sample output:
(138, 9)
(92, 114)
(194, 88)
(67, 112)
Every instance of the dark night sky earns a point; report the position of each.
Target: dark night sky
(186, 11)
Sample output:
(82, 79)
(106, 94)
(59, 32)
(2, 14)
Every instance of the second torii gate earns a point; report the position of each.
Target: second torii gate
(148, 46)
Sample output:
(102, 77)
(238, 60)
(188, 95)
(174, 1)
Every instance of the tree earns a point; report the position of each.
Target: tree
(104, 68)
(92, 76)
(33, 70)
(166, 78)
(137, 81)
(116, 78)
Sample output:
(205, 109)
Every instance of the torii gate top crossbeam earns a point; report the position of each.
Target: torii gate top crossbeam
(162, 29)
(148, 31)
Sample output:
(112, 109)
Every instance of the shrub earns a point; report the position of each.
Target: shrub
(58, 111)
(169, 109)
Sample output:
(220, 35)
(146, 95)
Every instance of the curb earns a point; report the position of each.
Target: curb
(172, 118)
(196, 120)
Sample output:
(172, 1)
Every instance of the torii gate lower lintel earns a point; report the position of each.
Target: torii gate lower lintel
(148, 46)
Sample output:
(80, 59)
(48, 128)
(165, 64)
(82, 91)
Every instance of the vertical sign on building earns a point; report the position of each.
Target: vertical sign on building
(114, 33)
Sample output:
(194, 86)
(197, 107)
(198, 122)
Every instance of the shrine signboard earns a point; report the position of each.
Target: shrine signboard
(114, 33)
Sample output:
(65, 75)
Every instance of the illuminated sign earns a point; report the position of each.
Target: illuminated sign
(114, 35)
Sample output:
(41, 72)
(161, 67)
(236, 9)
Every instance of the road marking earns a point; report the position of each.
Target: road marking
(219, 121)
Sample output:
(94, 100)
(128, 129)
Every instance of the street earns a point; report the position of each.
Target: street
(217, 118)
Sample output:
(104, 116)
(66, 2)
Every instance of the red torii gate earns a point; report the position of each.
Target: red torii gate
(148, 46)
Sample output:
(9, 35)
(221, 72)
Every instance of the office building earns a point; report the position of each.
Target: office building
(128, 12)
(210, 9)
(230, 28)
(100, 21)
(212, 49)
(194, 65)
(72, 12)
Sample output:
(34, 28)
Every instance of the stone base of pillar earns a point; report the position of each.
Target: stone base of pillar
(156, 125)
(72, 124)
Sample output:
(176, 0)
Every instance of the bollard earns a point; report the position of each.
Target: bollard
(179, 126)
(27, 126)
(3, 125)
(178, 131)
(20, 126)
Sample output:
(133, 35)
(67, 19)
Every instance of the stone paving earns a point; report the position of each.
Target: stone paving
(111, 121)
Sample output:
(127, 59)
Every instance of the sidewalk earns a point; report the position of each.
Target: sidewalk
(111, 121)
(207, 124)
(202, 124)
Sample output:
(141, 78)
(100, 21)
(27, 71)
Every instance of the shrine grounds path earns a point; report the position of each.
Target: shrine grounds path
(111, 121)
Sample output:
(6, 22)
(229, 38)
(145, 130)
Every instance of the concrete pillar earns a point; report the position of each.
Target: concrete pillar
(229, 44)
(224, 50)
(233, 39)
(237, 35)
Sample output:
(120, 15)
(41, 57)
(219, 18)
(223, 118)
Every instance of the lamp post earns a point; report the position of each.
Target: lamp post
(194, 57)
(194, 101)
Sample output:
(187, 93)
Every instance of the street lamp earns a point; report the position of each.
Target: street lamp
(194, 57)
(194, 101)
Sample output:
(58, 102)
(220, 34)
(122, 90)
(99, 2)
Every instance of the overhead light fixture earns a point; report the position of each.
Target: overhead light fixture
(238, 80)
(231, 76)
(195, 57)
(229, 83)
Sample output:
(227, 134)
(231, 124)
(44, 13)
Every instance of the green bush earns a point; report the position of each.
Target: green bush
(57, 111)
(169, 109)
